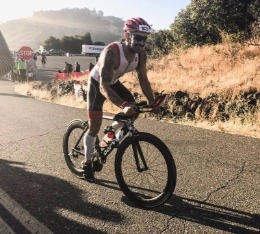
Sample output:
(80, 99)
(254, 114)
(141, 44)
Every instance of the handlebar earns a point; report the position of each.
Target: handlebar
(144, 107)
(141, 107)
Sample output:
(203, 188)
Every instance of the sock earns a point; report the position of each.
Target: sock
(89, 142)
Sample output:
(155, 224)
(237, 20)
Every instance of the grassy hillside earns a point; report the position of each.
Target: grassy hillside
(223, 69)
(216, 87)
(34, 30)
(222, 84)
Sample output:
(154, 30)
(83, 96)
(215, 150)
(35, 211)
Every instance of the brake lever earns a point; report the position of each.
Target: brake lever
(158, 100)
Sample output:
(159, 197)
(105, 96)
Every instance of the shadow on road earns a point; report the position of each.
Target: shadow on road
(203, 213)
(46, 196)
(43, 194)
(215, 216)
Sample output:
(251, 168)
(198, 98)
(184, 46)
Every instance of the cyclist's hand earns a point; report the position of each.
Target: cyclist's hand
(155, 104)
(129, 109)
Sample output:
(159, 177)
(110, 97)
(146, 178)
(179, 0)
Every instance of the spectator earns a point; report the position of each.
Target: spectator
(68, 68)
(22, 67)
(91, 65)
(77, 67)
(15, 72)
(44, 59)
(32, 68)
(65, 70)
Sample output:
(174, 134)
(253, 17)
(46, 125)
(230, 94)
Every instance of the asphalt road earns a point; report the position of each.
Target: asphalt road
(55, 63)
(217, 187)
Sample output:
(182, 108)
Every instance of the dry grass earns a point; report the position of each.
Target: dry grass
(68, 100)
(224, 69)
(29, 89)
(203, 70)
(234, 126)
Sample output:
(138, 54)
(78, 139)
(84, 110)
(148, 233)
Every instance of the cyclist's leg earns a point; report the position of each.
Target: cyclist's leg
(95, 101)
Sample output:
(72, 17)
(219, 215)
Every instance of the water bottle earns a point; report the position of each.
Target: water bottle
(109, 136)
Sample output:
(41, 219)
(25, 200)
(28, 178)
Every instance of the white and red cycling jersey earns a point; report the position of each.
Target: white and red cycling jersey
(122, 64)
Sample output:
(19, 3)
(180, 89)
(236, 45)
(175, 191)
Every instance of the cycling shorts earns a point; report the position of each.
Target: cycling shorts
(95, 100)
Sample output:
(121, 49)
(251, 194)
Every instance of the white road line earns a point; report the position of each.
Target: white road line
(4, 228)
(24, 217)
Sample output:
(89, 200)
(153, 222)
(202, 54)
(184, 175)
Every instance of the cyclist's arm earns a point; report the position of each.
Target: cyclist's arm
(107, 64)
(143, 79)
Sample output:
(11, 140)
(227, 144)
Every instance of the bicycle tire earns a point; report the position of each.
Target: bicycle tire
(160, 152)
(71, 136)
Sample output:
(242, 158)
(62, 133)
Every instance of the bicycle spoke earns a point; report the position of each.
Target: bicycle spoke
(73, 147)
(150, 182)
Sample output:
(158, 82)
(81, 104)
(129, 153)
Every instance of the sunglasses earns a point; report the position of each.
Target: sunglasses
(140, 38)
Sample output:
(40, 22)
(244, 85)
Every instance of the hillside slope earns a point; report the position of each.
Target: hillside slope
(214, 86)
(34, 30)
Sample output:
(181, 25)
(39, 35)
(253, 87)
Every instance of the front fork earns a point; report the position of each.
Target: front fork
(139, 156)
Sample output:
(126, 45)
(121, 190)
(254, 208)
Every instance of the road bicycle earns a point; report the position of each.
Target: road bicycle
(144, 166)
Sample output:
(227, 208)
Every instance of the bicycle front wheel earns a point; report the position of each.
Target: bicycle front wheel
(73, 146)
(145, 170)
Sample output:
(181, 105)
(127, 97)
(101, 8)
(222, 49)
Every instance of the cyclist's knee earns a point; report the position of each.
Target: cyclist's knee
(94, 127)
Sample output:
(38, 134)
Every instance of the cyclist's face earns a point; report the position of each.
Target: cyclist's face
(137, 42)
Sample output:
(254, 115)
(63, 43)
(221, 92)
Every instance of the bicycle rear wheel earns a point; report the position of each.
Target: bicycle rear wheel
(73, 146)
(151, 184)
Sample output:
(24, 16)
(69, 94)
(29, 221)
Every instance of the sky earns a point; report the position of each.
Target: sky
(158, 13)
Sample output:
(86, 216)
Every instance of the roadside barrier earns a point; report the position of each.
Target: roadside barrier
(74, 75)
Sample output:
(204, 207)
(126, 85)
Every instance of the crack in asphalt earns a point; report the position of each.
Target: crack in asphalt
(227, 182)
(176, 214)
(32, 136)
(241, 171)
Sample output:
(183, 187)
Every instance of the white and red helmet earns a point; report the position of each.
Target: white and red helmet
(137, 25)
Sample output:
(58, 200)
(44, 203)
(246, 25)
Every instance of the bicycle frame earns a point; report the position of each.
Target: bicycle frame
(128, 128)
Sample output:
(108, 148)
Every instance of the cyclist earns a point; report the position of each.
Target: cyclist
(115, 60)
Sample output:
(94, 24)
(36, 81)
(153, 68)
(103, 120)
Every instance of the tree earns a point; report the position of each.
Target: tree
(72, 44)
(86, 39)
(99, 43)
(159, 43)
(101, 13)
(203, 21)
(52, 43)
